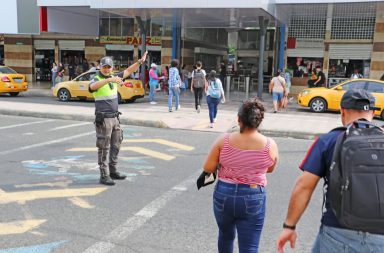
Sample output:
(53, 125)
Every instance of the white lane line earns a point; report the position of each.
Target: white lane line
(140, 218)
(26, 124)
(45, 143)
(68, 126)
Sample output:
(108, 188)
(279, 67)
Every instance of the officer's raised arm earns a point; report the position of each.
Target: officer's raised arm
(134, 67)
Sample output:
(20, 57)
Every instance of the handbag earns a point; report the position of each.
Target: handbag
(205, 179)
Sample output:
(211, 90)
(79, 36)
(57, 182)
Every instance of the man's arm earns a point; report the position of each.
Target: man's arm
(300, 198)
(96, 85)
(318, 80)
(134, 67)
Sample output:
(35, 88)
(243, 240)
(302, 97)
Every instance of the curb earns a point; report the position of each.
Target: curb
(150, 123)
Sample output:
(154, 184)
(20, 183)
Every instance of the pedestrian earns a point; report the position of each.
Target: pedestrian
(197, 85)
(71, 70)
(215, 93)
(333, 237)
(60, 72)
(85, 65)
(239, 198)
(165, 74)
(223, 73)
(54, 73)
(277, 89)
(93, 68)
(174, 85)
(108, 131)
(184, 76)
(153, 83)
(287, 78)
(356, 74)
(320, 81)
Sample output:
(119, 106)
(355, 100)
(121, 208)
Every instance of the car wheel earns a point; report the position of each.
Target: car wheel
(14, 94)
(318, 105)
(64, 95)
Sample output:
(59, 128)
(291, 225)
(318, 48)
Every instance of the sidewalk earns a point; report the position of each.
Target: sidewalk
(292, 122)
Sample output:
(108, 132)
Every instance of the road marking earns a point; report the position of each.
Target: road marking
(133, 223)
(161, 141)
(68, 126)
(26, 124)
(22, 197)
(55, 184)
(41, 248)
(80, 202)
(143, 151)
(19, 227)
(45, 143)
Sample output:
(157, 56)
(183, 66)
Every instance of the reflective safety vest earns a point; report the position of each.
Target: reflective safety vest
(105, 92)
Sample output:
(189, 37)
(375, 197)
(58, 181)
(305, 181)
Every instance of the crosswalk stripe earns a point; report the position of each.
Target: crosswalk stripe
(161, 141)
(68, 126)
(19, 227)
(26, 124)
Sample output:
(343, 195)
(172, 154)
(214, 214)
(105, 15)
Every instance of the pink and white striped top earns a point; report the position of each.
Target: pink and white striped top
(239, 166)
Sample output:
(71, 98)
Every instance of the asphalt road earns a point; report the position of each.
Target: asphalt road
(50, 199)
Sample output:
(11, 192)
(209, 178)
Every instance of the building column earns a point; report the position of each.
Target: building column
(18, 54)
(328, 29)
(377, 57)
(263, 24)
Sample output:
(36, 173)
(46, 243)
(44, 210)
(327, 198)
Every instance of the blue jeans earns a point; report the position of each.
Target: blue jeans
(239, 207)
(152, 91)
(338, 240)
(173, 92)
(212, 107)
(277, 96)
(54, 75)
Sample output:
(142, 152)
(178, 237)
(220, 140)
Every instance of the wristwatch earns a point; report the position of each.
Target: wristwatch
(289, 227)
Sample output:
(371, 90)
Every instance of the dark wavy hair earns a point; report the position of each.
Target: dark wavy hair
(174, 63)
(251, 114)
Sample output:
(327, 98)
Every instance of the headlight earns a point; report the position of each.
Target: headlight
(305, 92)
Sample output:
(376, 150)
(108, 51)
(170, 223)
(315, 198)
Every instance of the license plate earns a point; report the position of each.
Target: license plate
(138, 85)
(18, 80)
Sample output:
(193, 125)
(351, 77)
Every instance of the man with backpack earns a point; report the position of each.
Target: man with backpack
(198, 84)
(350, 159)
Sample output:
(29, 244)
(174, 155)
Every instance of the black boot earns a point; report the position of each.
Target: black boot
(105, 179)
(117, 176)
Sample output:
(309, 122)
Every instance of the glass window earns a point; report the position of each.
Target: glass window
(375, 87)
(104, 27)
(210, 36)
(6, 70)
(248, 39)
(354, 85)
(167, 27)
(128, 27)
(222, 37)
(115, 27)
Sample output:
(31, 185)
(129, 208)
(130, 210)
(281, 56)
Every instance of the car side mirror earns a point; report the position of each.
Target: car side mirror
(339, 87)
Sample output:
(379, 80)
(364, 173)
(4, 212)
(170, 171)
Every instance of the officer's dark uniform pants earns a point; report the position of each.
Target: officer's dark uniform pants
(109, 137)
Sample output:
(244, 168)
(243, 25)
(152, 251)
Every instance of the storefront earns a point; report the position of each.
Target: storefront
(345, 59)
(122, 55)
(44, 56)
(72, 51)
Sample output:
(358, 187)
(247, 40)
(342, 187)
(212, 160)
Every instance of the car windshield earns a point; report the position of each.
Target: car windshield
(6, 70)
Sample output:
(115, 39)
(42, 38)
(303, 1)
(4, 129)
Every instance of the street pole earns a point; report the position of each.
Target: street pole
(263, 28)
(143, 31)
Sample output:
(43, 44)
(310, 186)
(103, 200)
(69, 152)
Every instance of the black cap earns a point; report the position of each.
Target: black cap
(358, 99)
(106, 61)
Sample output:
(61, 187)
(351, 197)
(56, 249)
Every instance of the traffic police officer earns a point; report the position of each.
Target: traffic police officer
(108, 131)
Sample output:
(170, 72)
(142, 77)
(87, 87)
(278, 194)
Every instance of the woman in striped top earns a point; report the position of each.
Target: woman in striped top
(239, 196)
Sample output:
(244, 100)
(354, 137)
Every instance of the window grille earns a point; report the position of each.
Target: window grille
(308, 21)
(353, 21)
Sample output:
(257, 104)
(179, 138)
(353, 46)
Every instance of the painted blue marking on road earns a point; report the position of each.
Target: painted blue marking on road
(41, 248)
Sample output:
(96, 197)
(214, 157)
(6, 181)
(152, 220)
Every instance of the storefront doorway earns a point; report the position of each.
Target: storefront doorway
(1, 55)
(43, 64)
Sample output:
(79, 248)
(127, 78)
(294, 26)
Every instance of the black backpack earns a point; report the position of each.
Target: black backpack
(198, 78)
(356, 178)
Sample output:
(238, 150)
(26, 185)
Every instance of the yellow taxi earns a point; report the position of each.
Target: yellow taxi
(321, 99)
(78, 88)
(11, 82)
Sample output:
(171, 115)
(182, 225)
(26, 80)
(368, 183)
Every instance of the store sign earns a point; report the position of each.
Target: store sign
(309, 43)
(129, 40)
